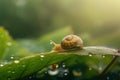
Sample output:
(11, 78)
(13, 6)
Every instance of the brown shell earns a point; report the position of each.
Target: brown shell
(71, 42)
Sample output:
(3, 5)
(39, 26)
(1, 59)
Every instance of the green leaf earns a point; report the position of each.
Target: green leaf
(5, 41)
(9, 48)
(84, 64)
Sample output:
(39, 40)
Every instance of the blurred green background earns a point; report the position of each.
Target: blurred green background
(96, 21)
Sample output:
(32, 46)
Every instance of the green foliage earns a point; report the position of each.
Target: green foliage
(32, 60)
(5, 42)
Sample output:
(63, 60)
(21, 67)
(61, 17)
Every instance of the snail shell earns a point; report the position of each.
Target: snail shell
(71, 42)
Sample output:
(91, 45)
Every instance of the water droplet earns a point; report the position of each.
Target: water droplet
(59, 70)
(16, 61)
(90, 54)
(11, 57)
(63, 65)
(9, 43)
(1, 65)
(103, 56)
(53, 69)
(53, 72)
(66, 70)
(90, 68)
(65, 74)
(100, 68)
(54, 66)
(42, 55)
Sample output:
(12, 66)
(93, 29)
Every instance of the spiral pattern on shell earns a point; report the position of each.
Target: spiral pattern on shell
(71, 42)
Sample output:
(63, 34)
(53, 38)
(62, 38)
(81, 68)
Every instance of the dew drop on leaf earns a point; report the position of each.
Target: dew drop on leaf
(53, 69)
(100, 68)
(103, 56)
(63, 65)
(53, 72)
(90, 54)
(58, 70)
(54, 66)
(1, 65)
(66, 71)
(42, 55)
(65, 74)
(16, 61)
(11, 57)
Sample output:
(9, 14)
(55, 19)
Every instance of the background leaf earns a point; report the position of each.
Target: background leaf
(5, 42)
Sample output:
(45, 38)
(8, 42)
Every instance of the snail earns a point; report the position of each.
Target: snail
(69, 42)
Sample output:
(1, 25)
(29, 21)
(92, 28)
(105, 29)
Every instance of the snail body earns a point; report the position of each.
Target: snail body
(57, 47)
(69, 42)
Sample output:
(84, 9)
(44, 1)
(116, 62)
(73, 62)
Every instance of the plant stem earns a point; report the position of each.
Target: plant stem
(109, 65)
